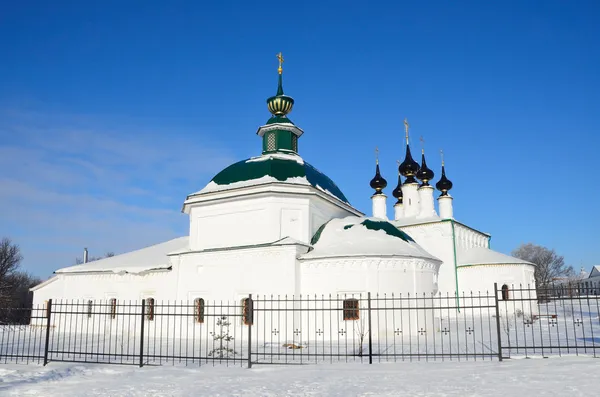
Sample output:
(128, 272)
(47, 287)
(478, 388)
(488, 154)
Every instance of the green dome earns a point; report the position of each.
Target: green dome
(281, 167)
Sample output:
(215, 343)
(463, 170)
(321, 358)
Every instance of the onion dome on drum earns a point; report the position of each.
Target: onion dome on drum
(424, 174)
(444, 184)
(397, 192)
(409, 167)
(378, 182)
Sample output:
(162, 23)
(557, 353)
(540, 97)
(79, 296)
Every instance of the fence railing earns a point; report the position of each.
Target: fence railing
(506, 322)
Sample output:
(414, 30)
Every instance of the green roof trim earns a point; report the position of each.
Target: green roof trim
(280, 169)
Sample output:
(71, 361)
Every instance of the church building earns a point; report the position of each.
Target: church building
(275, 224)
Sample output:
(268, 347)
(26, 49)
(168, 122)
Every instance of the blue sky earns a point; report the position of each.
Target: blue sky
(111, 112)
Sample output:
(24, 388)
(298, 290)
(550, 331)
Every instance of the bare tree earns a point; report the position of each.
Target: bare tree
(549, 265)
(10, 259)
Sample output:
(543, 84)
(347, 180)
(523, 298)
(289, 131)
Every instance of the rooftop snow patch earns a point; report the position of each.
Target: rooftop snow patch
(281, 156)
(357, 236)
(154, 257)
(485, 256)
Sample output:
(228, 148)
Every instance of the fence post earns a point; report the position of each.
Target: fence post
(46, 347)
(498, 335)
(142, 333)
(370, 337)
(250, 323)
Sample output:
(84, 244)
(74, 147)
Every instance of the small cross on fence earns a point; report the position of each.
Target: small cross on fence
(470, 330)
(342, 332)
(397, 331)
(445, 331)
(297, 332)
(422, 331)
(319, 332)
(578, 322)
(275, 332)
(552, 322)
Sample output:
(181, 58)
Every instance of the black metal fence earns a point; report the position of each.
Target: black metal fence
(506, 322)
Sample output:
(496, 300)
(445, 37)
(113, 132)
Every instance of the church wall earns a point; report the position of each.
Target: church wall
(436, 238)
(248, 221)
(468, 238)
(344, 278)
(259, 220)
(361, 275)
(234, 274)
(481, 278)
(101, 287)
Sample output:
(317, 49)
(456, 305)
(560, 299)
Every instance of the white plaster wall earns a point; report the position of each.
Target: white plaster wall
(436, 238)
(248, 221)
(233, 275)
(481, 278)
(259, 219)
(355, 275)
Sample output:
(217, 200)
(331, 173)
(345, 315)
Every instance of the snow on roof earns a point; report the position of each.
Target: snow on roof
(43, 283)
(280, 156)
(213, 187)
(485, 256)
(358, 236)
(153, 257)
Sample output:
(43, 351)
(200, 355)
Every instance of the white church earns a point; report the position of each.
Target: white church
(274, 224)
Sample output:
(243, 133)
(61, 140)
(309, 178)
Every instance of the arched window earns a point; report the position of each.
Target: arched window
(90, 306)
(150, 309)
(113, 307)
(199, 310)
(351, 310)
(505, 292)
(247, 311)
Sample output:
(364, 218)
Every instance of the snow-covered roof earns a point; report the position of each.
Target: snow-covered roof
(595, 271)
(43, 283)
(358, 236)
(485, 256)
(153, 257)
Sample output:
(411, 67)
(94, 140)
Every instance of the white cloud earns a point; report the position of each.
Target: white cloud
(68, 182)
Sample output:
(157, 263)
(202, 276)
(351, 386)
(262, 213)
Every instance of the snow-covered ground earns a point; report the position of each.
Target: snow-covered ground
(566, 376)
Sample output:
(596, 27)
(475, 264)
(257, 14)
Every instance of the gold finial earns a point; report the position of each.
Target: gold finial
(442, 154)
(398, 162)
(280, 57)
(406, 125)
(422, 144)
(376, 155)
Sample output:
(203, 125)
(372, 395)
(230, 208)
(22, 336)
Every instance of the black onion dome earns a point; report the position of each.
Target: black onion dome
(409, 167)
(397, 193)
(444, 183)
(425, 174)
(378, 182)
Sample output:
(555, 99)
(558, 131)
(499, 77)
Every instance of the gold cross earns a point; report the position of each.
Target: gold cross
(376, 155)
(406, 125)
(442, 154)
(422, 144)
(280, 57)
